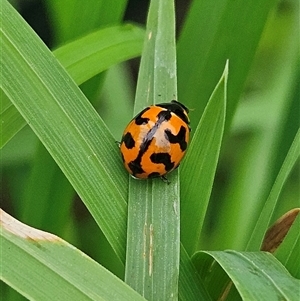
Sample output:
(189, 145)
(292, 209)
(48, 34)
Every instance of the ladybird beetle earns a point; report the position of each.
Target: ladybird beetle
(155, 140)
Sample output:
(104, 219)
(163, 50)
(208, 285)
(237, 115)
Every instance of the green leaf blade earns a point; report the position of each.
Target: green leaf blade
(256, 275)
(51, 269)
(200, 164)
(153, 245)
(67, 125)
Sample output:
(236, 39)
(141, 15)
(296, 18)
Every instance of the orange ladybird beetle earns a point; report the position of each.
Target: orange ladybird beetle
(155, 140)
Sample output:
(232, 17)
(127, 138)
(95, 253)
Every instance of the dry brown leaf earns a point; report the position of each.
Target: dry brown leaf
(277, 232)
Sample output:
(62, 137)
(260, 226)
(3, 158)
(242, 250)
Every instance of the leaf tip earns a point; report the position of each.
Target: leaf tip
(17, 228)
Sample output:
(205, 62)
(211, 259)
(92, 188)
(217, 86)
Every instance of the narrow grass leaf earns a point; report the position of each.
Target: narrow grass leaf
(66, 123)
(41, 266)
(153, 245)
(256, 275)
(266, 214)
(200, 165)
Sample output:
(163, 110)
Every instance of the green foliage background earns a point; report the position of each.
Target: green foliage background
(262, 121)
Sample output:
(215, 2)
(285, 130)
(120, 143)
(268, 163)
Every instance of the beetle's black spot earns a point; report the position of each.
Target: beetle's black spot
(136, 167)
(163, 158)
(163, 116)
(128, 140)
(139, 120)
(179, 138)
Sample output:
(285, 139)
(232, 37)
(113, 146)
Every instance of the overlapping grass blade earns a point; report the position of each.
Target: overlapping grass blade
(256, 275)
(42, 266)
(66, 123)
(200, 164)
(152, 262)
